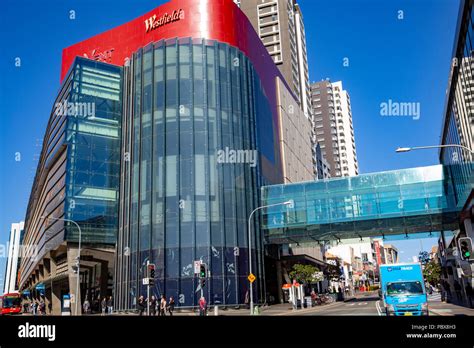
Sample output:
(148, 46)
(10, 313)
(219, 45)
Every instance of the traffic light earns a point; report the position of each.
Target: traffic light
(151, 274)
(465, 248)
(202, 274)
(202, 271)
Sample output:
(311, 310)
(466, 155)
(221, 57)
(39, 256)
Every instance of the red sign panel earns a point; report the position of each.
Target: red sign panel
(215, 20)
(377, 252)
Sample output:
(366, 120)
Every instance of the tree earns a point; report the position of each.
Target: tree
(424, 257)
(432, 272)
(305, 274)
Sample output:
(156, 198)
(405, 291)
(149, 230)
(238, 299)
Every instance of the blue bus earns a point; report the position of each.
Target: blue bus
(403, 289)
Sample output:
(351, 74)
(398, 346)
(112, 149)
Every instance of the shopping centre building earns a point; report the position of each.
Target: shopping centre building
(179, 117)
(168, 132)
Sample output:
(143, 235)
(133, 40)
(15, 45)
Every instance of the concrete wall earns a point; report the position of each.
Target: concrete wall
(295, 135)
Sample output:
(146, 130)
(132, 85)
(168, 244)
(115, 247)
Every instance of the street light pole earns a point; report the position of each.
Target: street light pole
(408, 149)
(290, 203)
(78, 258)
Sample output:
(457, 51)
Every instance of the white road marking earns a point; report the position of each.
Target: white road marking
(377, 305)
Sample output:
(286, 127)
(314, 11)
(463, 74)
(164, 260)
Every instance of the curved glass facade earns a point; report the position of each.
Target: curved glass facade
(196, 127)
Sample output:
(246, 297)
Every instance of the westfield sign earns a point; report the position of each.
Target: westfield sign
(155, 22)
(101, 56)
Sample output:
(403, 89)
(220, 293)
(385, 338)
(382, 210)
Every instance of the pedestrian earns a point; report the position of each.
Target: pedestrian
(469, 294)
(442, 287)
(163, 306)
(95, 305)
(86, 306)
(103, 305)
(246, 300)
(429, 289)
(42, 307)
(202, 306)
(171, 306)
(110, 305)
(141, 305)
(152, 305)
(35, 308)
(457, 288)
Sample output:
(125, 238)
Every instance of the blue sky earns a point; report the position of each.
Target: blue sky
(403, 60)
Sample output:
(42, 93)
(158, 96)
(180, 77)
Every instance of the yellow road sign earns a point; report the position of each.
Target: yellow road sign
(251, 278)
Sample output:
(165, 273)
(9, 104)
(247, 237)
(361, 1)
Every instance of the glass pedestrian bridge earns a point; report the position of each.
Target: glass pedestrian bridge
(400, 202)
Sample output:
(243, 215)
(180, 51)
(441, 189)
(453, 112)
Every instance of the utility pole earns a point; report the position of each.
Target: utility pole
(147, 290)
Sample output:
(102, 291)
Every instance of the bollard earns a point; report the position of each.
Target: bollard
(216, 311)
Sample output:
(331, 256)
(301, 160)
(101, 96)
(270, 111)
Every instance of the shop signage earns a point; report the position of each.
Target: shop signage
(155, 22)
(101, 56)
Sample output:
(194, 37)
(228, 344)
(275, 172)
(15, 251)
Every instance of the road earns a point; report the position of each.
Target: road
(365, 305)
(371, 305)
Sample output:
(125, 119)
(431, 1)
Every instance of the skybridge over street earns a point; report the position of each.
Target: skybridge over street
(401, 202)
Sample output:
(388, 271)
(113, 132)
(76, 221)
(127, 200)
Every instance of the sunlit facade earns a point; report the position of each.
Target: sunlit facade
(458, 123)
(77, 179)
(190, 100)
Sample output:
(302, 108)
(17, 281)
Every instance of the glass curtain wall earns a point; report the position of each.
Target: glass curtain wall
(194, 174)
(94, 113)
(459, 125)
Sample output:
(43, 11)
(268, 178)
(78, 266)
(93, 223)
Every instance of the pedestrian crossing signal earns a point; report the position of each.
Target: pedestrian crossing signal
(151, 274)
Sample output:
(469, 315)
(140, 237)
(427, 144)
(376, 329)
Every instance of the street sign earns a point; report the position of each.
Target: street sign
(251, 277)
(197, 266)
(146, 281)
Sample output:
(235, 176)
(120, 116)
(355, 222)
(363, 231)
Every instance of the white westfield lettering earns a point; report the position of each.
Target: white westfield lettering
(37, 331)
(155, 22)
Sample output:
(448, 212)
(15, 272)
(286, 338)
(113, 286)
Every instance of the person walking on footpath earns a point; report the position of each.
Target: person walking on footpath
(110, 305)
(86, 307)
(152, 305)
(202, 306)
(42, 307)
(171, 306)
(163, 306)
(468, 289)
(141, 305)
(457, 289)
(103, 305)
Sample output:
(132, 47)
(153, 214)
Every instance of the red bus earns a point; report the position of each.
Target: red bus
(10, 303)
